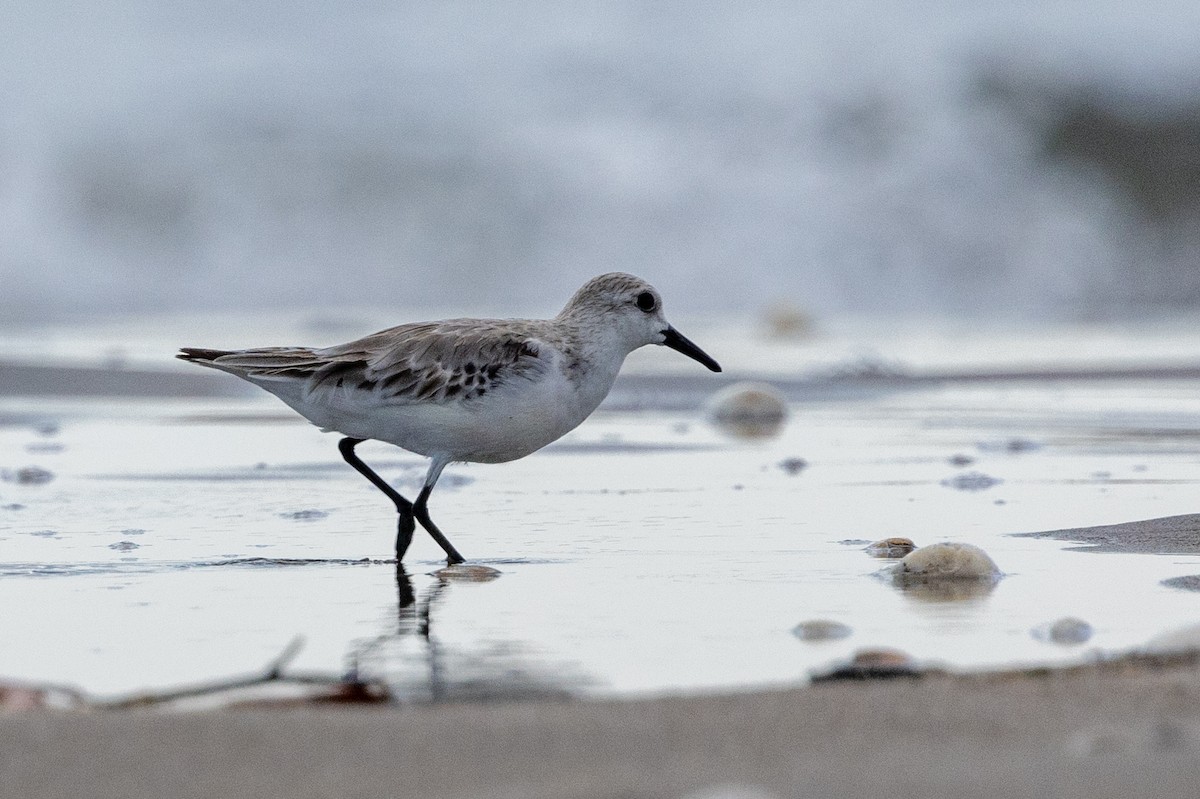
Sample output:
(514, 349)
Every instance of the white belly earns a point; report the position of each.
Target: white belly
(508, 423)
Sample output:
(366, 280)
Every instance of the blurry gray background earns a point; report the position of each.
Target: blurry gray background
(1011, 160)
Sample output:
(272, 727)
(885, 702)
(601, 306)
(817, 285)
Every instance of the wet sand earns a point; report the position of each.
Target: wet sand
(1128, 728)
(1170, 535)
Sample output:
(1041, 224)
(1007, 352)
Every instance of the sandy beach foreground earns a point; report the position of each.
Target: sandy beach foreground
(1125, 728)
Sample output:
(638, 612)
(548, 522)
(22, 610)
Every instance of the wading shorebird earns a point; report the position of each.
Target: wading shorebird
(473, 390)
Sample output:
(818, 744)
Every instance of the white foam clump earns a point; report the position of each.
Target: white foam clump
(948, 560)
(748, 410)
(1067, 631)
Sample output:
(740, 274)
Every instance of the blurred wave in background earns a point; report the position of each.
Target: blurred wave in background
(1018, 160)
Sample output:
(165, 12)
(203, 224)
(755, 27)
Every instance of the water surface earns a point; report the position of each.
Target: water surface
(181, 539)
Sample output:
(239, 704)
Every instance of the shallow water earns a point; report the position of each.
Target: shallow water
(191, 538)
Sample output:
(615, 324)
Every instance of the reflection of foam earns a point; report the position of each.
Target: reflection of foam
(945, 590)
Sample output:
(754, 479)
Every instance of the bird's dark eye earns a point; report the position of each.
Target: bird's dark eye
(645, 301)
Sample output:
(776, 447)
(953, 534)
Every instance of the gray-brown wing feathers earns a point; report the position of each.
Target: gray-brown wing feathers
(433, 361)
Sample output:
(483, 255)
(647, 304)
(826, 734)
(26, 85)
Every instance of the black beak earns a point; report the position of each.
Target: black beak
(678, 342)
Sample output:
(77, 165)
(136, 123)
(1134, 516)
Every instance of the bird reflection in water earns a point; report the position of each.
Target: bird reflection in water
(419, 667)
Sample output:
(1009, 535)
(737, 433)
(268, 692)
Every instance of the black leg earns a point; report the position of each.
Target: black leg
(421, 511)
(404, 533)
(406, 525)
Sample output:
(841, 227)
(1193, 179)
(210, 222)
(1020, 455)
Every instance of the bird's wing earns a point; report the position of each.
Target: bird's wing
(420, 362)
(439, 361)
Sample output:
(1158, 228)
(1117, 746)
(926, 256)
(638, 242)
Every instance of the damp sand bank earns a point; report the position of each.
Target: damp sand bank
(1127, 728)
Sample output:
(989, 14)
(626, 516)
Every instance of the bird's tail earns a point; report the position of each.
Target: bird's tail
(201, 355)
(256, 365)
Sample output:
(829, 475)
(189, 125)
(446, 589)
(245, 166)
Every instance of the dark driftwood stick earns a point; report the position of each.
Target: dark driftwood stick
(273, 673)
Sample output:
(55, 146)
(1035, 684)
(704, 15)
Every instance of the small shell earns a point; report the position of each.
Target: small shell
(821, 630)
(881, 659)
(793, 466)
(467, 573)
(29, 476)
(873, 664)
(891, 547)
(971, 481)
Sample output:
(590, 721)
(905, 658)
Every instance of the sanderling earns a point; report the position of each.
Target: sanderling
(475, 390)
